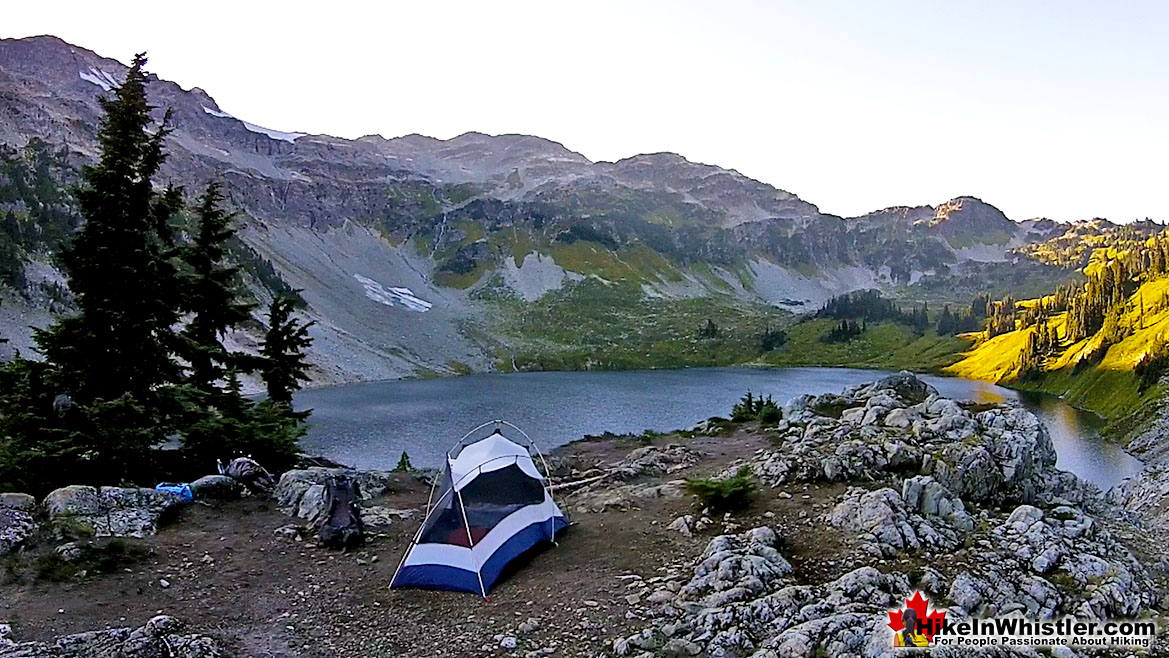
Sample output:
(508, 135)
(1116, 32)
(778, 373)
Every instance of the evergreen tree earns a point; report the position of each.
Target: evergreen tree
(31, 446)
(114, 357)
(980, 306)
(1000, 317)
(771, 339)
(404, 465)
(284, 366)
(124, 286)
(267, 431)
(212, 296)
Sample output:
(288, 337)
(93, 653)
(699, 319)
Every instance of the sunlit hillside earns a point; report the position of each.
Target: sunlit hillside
(1101, 370)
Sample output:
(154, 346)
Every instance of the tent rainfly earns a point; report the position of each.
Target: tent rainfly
(492, 505)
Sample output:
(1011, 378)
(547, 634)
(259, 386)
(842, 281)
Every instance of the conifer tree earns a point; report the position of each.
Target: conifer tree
(211, 295)
(284, 365)
(114, 357)
(123, 284)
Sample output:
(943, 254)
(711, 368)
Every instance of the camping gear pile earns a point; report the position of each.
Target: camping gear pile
(490, 505)
(249, 473)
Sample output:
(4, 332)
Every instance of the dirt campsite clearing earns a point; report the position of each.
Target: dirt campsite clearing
(225, 571)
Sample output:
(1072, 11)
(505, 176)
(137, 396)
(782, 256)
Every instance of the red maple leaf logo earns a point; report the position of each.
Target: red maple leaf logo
(931, 622)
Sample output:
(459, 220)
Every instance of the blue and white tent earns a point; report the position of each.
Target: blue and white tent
(492, 505)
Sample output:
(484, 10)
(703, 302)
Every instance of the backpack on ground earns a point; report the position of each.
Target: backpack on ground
(341, 526)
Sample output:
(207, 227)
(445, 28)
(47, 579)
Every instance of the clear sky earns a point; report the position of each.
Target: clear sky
(1047, 108)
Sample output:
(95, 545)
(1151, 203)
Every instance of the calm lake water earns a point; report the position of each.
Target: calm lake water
(369, 425)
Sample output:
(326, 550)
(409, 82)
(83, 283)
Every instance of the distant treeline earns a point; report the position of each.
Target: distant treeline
(856, 309)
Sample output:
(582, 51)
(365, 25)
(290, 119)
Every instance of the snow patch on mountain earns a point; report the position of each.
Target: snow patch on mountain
(788, 287)
(274, 134)
(388, 296)
(99, 78)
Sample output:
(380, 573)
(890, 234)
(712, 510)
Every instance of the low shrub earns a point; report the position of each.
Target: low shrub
(750, 408)
(729, 494)
(769, 412)
(647, 437)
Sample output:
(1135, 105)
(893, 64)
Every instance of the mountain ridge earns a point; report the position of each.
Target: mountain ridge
(621, 165)
(452, 219)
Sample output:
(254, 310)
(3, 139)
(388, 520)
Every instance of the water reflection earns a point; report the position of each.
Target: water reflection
(1075, 433)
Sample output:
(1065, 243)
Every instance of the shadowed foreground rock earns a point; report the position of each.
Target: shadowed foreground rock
(16, 520)
(161, 637)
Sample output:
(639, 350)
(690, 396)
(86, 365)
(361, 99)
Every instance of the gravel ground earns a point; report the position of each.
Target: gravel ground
(228, 574)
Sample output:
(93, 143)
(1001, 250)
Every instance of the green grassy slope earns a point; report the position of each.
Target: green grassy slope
(608, 326)
(1108, 386)
(885, 345)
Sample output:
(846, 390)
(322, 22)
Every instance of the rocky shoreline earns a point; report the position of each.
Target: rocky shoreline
(1030, 543)
(865, 497)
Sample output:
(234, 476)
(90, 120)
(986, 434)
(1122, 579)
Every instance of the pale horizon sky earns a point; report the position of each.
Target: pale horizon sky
(1042, 108)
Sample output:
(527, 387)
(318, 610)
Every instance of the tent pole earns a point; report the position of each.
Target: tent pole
(471, 543)
(413, 543)
(433, 485)
(468, 434)
(548, 487)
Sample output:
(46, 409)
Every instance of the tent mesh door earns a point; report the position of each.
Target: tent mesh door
(489, 499)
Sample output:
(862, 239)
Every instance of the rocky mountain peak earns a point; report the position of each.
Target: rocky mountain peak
(968, 216)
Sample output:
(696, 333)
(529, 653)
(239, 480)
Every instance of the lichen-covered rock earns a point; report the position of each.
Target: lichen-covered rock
(600, 499)
(968, 470)
(998, 456)
(1054, 563)
(161, 637)
(16, 526)
(734, 567)
(906, 386)
(378, 516)
(295, 483)
(925, 515)
(655, 461)
(313, 504)
(1146, 496)
(17, 523)
(18, 501)
(109, 511)
(926, 496)
(740, 602)
(75, 500)
(683, 525)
